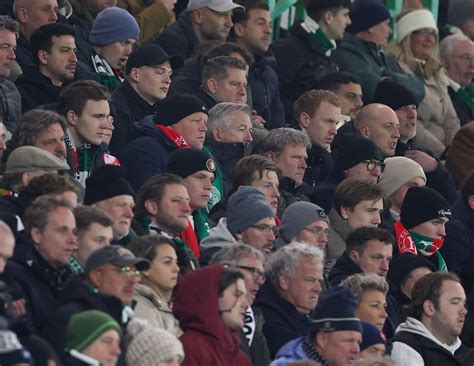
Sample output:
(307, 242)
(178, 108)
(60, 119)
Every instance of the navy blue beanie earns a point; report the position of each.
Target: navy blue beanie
(113, 25)
(365, 14)
(371, 335)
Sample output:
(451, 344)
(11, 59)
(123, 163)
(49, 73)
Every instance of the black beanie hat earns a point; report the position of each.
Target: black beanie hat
(187, 161)
(422, 204)
(402, 265)
(175, 107)
(150, 55)
(365, 14)
(105, 182)
(393, 94)
(351, 149)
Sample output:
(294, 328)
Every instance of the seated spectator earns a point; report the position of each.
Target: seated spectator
(92, 337)
(40, 261)
(348, 89)
(460, 17)
(10, 98)
(354, 157)
(361, 51)
(335, 333)
(250, 219)
(317, 113)
(459, 160)
(373, 344)
(357, 203)
(249, 262)
(457, 52)
(146, 83)
(430, 334)
(54, 50)
(287, 299)
(93, 231)
(303, 56)
(421, 229)
(304, 222)
(229, 133)
(108, 191)
(210, 304)
(200, 22)
(416, 49)
(149, 345)
(180, 121)
(287, 148)
(370, 291)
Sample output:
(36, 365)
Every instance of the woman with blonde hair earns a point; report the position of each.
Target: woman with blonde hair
(416, 49)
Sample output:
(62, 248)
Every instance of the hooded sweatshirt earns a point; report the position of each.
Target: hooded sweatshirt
(207, 340)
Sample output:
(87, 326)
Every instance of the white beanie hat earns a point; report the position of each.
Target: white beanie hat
(413, 21)
(399, 170)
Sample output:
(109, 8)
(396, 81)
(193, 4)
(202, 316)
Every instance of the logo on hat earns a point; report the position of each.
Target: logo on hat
(211, 165)
(444, 213)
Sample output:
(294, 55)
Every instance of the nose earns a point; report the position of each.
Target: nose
(276, 192)
(175, 268)
(128, 49)
(384, 313)
(228, 21)
(116, 349)
(385, 264)
(442, 230)
(128, 212)
(167, 79)
(11, 54)
(303, 164)
(3, 145)
(396, 133)
(54, 16)
(359, 103)
(110, 123)
(377, 220)
(248, 137)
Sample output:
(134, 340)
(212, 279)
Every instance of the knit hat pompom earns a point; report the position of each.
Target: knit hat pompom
(113, 25)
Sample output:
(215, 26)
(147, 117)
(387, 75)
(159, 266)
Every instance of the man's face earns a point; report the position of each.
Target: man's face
(92, 238)
(57, 241)
(398, 196)
(38, 13)
(365, 213)
(321, 128)
(231, 89)
(105, 349)
(373, 353)
(233, 304)
(380, 33)
(91, 123)
(115, 281)
(214, 25)
(339, 22)
(153, 82)
(460, 64)
(255, 33)
(407, 116)
(303, 288)
(7, 51)
(173, 210)
(193, 129)
(249, 266)
(351, 97)
(268, 184)
(199, 186)
(120, 209)
(7, 244)
(448, 318)
(316, 234)
(373, 308)
(261, 235)
(361, 171)
(412, 278)
(292, 162)
(375, 258)
(434, 229)
(383, 130)
(340, 348)
(60, 64)
(239, 130)
(52, 140)
(116, 54)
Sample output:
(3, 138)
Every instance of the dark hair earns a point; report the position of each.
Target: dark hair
(154, 189)
(428, 288)
(251, 168)
(37, 214)
(241, 15)
(467, 188)
(74, 96)
(316, 8)
(351, 191)
(334, 80)
(42, 38)
(358, 239)
(145, 246)
(227, 49)
(216, 68)
(228, 277)
(87, 215)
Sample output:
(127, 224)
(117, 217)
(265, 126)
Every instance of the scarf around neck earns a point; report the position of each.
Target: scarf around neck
(173, 136)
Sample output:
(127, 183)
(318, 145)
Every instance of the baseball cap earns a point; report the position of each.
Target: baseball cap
(216, 5)
(116, 255)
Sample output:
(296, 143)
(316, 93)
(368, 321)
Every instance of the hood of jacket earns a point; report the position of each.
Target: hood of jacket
(219, 236)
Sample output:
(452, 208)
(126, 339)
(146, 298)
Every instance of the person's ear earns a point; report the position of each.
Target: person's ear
(43, 57)
(151, 207)
(36, 235)
(429, 308)
(284, 282)
(354, 256)
(211, 86)
(71, 117)
(470, 201)
(304, 119)
(239, 30)
(134, 75)
(345, 212)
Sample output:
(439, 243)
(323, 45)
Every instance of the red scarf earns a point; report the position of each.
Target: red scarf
(405, 242)
(190, 238)
(174, 136)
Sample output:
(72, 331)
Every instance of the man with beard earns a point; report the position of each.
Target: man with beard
(430, 335)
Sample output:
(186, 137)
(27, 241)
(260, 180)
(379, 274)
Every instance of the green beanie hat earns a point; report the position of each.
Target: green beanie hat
(84, 328)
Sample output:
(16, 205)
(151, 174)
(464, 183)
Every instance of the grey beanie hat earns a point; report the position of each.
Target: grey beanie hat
(399, 170)
(113, 25)
(296, 217)
(245, 208)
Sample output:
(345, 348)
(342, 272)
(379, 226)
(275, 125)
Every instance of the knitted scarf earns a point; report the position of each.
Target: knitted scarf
(410, 242)
(317, 35)
(310, 350)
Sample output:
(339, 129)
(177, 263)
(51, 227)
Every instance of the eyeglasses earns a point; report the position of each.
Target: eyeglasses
(425, 33)
(130, 272)
(317, 231)
(266, 229)
(372, 164)
(466, 57)
(256, 273)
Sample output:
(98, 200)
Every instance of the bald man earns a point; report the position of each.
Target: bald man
(7, 244)
(379, 123)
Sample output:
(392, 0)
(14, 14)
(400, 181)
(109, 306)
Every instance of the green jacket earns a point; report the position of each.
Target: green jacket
(365, 60)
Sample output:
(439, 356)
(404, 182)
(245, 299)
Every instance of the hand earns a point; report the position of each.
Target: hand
(257, 121)
(19, 307)
(427, 162)
(169, 4)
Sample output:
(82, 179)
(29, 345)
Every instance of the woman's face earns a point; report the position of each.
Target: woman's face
(372, 308)
(164, 268)
(423, 42)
